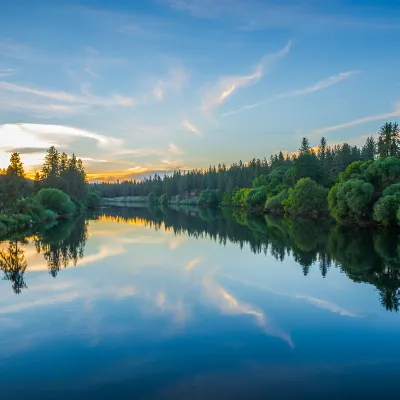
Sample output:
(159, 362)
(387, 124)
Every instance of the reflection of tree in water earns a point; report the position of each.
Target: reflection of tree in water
(60, 245)
(63, 244)
(13, 265)
(363, 255)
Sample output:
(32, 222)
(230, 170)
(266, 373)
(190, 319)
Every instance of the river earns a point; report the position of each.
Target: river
(199, 303)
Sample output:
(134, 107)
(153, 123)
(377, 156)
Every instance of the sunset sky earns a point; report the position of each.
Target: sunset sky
(156, 85)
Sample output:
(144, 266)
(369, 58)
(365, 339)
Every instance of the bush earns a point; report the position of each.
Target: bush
(275, 203)
(385, 210)
(8, 220)
(392, 190)
(307, 197)
(351, 200)
(256, 197)
(56, 201)
(30, 207)
(92, 200)
(22, 219)
(383, 173)
(239, 197)
(49, 215)
(208, 197)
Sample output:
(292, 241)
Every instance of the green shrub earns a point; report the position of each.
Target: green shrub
(29, 207)
(307, 197)
(208, 197)
(22, 219)
(351, 201)
(8, 220)
(56, 201)
(92, 200)
(392, 190)
(256, 197)
(239, 197)
(275, 203)
(385, 210)
(49, 215)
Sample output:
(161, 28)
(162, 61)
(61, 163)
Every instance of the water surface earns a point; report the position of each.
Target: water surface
(150, 303)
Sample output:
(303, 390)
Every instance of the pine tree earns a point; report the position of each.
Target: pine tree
(305, 147)
(16, 168)
(368, 151)
(389, 140)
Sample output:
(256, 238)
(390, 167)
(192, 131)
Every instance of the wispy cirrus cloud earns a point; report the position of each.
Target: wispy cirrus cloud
(86, 99)
(227, 85)
(259, 14)
(175, 81)
(320, 85)
(323, 84)
(191, 127)
(370, 118)
(175, 149)
(44, 136)
(8, 71)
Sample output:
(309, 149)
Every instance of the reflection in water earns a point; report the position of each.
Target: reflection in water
(370, 256)
(62, 244)
(13, 264)
(364, 256)
(230, 305)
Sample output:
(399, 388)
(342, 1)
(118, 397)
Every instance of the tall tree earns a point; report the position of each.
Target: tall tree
(368, 151)
(305, 147)
(389, 140)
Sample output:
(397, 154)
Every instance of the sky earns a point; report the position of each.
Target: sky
(134, 88)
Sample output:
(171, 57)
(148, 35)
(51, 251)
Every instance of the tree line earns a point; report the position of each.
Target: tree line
(353, 184)
(323, 164)
(59, 189)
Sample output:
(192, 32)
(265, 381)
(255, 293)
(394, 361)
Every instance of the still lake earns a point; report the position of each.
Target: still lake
(199, 303)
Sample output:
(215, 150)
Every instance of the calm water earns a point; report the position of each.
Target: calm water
(139, 303)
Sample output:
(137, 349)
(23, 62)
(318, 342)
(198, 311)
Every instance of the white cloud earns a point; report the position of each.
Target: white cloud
(359, 121)
(191, 127)
(87, 99)
(322, 84)
(227, 85)
(175, 149)
(174, 82)
(42, 136)
(7, 72)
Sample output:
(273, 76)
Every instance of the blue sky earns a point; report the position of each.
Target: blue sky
(162, 84)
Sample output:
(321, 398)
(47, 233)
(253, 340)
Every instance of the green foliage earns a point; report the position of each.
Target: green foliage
(355, 170)
(351, 201)
(307, 166)
(392, 190)
(389, 140)
(208, 197)
(163, 199)
(92, 200)
(56, 201)
(239, 197)
(385, 210)
(256, 197)
(49, 215)
(307, 197)
(383, 173)
(275, 203)
(3, 229)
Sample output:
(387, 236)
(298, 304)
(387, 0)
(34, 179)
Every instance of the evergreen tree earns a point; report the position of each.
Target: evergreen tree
(368, 151)
(389, 140)
(305, 147)
(16, 168)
